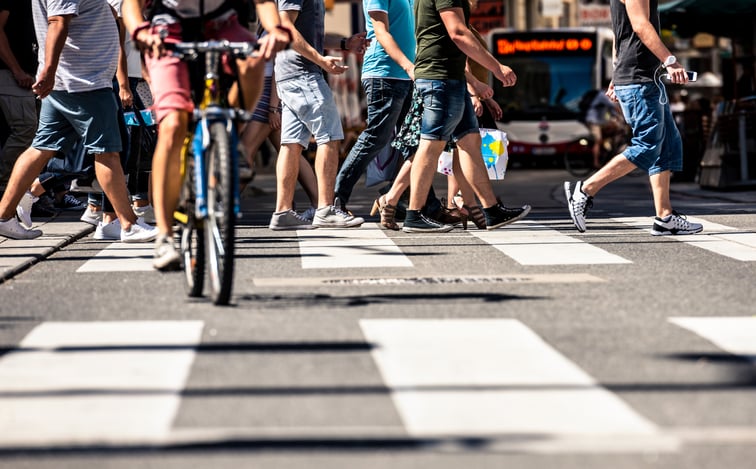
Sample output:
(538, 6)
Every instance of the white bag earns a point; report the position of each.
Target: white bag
(445, 163)
(494, 149)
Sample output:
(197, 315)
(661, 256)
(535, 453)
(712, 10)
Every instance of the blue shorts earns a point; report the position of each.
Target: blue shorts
(308, 110)
(448, 112)
(67, 117)
(656, 145)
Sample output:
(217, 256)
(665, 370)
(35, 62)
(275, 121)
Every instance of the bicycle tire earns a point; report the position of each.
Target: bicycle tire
(221, 220)
(191, 238)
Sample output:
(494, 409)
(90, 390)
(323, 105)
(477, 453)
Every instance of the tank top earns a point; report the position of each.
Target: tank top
(635, 63)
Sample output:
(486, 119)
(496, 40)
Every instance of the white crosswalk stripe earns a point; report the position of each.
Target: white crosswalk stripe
(736, 335)
(121, 257)
(83, 383)
(536, 244)
(720, 239)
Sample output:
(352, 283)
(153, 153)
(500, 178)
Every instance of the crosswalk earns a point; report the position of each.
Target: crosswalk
(528, 243)
(119, 383)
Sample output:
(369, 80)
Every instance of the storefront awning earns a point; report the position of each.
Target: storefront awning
(730, 18)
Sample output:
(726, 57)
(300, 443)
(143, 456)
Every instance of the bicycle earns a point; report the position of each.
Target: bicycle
(209, 202)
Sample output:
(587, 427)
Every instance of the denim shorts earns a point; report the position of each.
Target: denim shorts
(308, 110)
(90, 115)
(656, 145)
(447, 110)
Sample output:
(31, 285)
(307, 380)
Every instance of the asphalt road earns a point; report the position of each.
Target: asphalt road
(530, 346)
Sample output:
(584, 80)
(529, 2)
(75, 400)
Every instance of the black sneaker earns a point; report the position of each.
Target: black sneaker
(499, 215)
(423, 224)
(44, 207)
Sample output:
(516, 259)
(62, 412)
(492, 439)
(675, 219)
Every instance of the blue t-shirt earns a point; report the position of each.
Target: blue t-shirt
(377, 63)
(310, 24)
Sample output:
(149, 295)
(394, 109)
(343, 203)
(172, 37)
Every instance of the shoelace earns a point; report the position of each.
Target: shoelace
(340, 212)
(583, 205)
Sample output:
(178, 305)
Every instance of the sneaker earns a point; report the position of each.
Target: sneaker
(675, 224)
(424, 224)
(341, 206)
(69, 202)
(140, 232)
(44, 207)
(93, 217)
(166, 256)
(308, 214)
(108, 231)
(146, 212)
(499, 215)
(12, 229)
(579, 203)
(289, 220)
(333, 217)
(24, 209)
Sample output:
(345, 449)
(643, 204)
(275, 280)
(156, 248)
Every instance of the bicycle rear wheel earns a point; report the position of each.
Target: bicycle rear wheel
(221, 219)
(191, 237)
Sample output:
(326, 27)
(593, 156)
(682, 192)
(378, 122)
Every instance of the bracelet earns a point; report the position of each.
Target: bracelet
(142, 26)
(286, 30)
(273, 110)
(344, 44)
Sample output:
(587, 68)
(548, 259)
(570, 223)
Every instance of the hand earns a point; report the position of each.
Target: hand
(610, 93)
(358, 43)
(278, 39)
(477, 106)
(149, 43)
(127, 98)
(44, 84)
(274, 118)
(494, 108)
(23, 79)
(482, 90)
(505, 75)
(333, 65)
(677, 74)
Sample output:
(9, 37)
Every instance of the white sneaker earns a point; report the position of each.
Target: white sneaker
(166, 256)
(333, 217)
(110, 231)
(675, 224)
(579, 202)
(140, 232)
(24, 209)
(91, 216)
(146, 212)
(12, 229)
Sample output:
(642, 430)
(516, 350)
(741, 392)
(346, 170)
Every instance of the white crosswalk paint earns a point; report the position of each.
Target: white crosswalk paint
(736, 335)
(536, 244)
(495, 377)
(121, 257)
(80, 383)
(367, 246)
(720, 239)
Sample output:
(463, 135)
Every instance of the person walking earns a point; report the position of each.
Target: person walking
(387, 74)
(309, 110)
(656, 147)
(77, 102)
(444, 42)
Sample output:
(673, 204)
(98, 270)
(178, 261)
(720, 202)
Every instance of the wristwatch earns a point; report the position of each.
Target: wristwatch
(670, 60)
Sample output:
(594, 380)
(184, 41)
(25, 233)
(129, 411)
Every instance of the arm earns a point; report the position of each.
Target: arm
(23, 79)
(299, 44)
(386, 40)
(638, 11)
(57, 32)
(122, 75)
(454, 21)
(274, 107)
(279, 36)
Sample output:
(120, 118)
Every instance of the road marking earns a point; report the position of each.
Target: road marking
(736, 335)
(95, 382)
(495, 377)
(121, 257)
(536, 244)
(367, 246)
(719, 239)
(419, 280)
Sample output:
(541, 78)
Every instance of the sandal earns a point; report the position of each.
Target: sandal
(388, 213)
(477, 215)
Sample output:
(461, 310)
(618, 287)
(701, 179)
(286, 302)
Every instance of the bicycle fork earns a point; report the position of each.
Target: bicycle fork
(200, 143)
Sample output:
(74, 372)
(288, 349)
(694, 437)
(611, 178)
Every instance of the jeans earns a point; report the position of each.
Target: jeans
(387, 102)
(447, 110)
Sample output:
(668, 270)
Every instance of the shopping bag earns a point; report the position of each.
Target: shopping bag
(445, 163)
(383, 167)
(494, 150)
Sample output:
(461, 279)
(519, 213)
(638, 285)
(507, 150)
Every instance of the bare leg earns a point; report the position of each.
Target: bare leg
(474, 170)
(660, 189)
(166, 169)
(27, 168)
(109, 173)
(308, 180)
(400, 184)
(423, 166)
(326, 167)
(287, 168)
(616, 168)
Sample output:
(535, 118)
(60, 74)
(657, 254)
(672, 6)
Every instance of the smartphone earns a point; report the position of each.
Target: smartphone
(692, 76)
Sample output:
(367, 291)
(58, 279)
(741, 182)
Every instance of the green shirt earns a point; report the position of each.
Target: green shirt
(438, 58)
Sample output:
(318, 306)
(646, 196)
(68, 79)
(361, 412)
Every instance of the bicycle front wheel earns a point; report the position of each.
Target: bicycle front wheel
(192, 237)
(221, 219)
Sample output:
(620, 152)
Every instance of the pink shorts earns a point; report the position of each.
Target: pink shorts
(169, 76)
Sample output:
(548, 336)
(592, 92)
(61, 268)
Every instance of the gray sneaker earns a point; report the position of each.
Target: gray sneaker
(24, 209)
(12, 229)
(166, 256)
(333, 217)
(289, 220)
(579, 202)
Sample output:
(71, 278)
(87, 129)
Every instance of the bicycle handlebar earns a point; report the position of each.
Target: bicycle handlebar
(191, 50)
